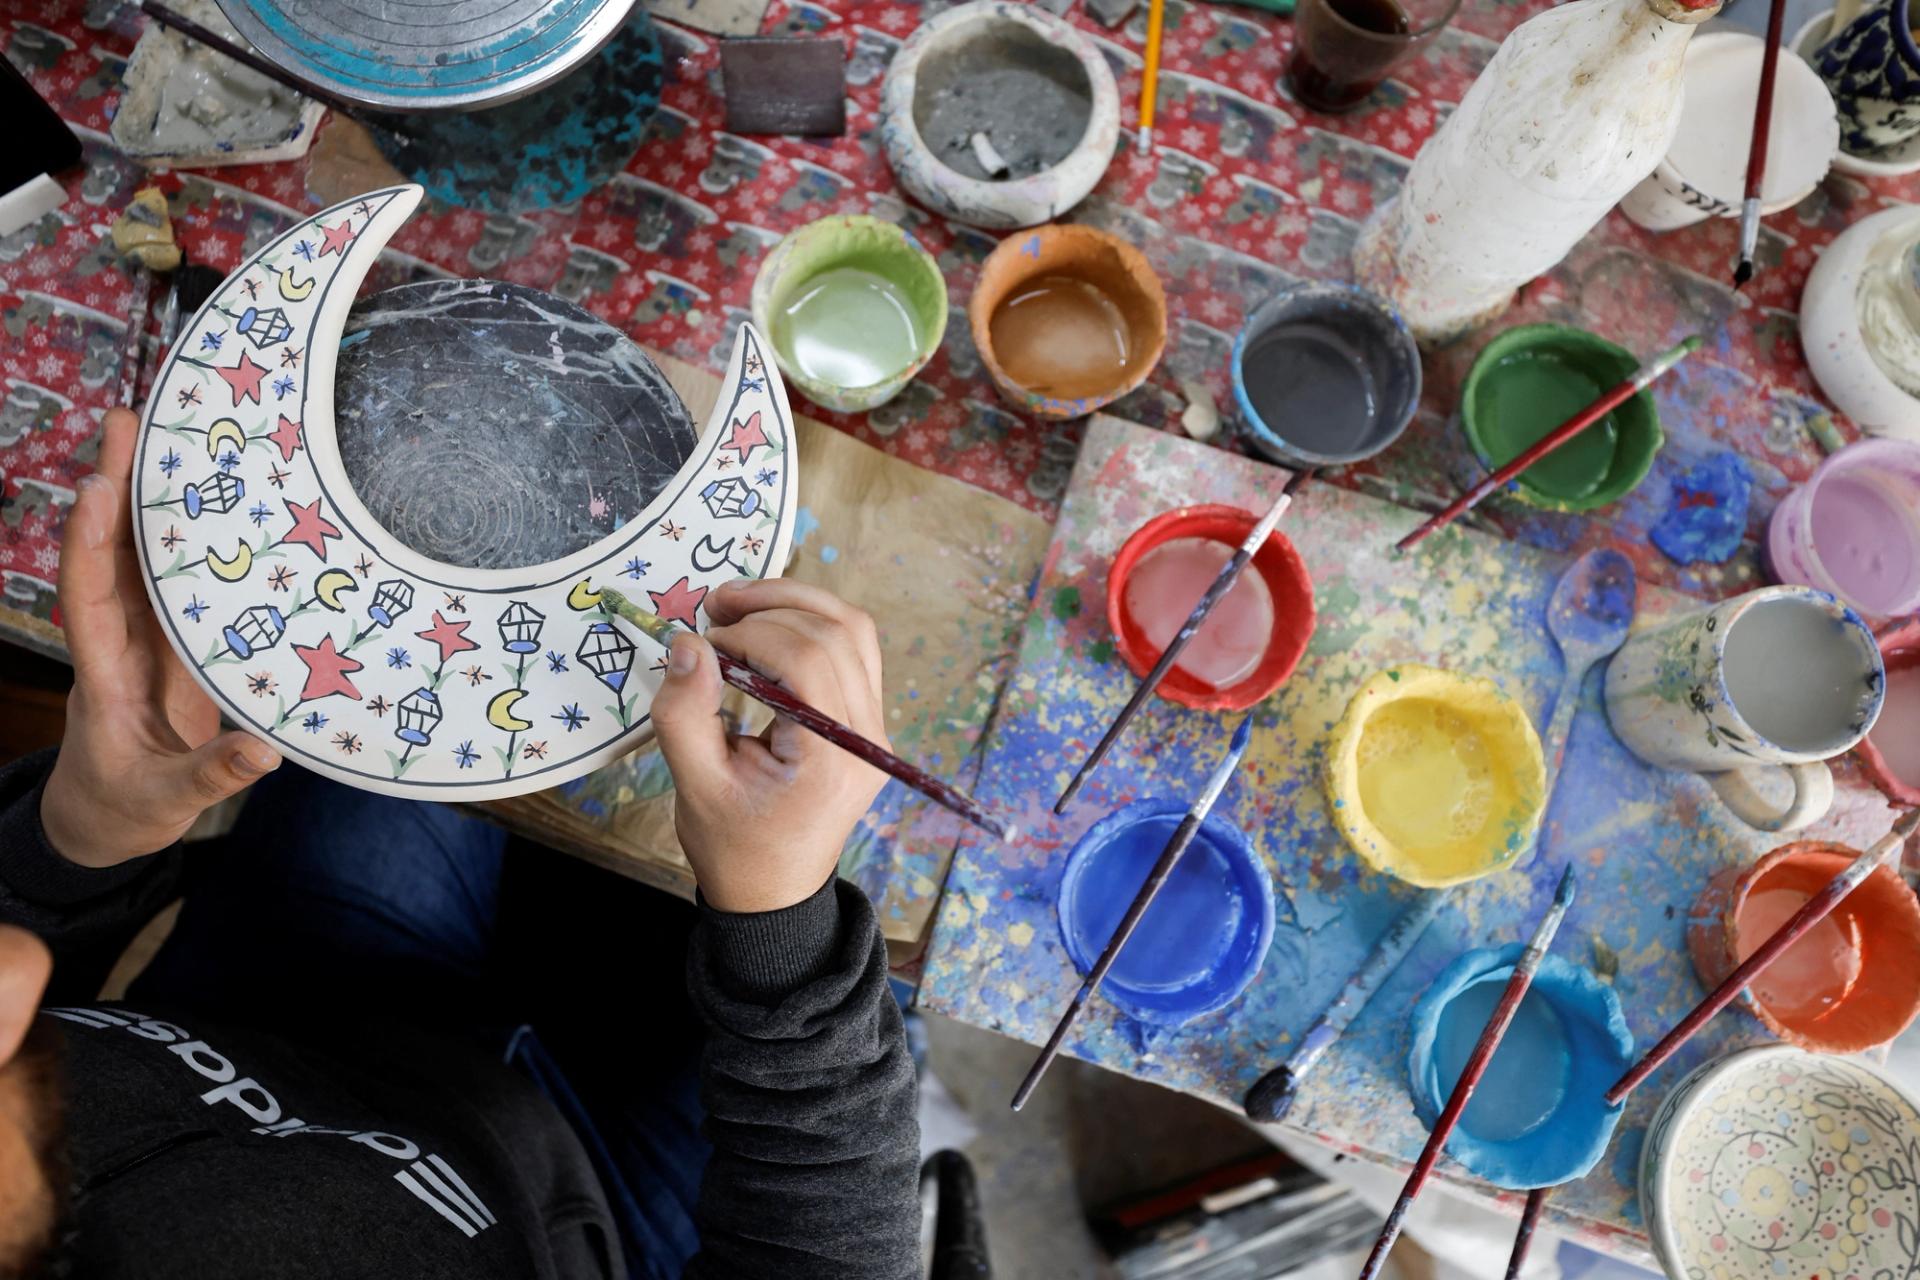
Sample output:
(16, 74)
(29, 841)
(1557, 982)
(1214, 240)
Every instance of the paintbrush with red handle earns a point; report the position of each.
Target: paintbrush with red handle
(1470, 1074)
(1816, 909)
(1222, 583)
(766, 689)
(1615, 396)
(1757, 149)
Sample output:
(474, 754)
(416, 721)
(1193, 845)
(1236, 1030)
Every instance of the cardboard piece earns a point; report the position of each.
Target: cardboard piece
(786, 85)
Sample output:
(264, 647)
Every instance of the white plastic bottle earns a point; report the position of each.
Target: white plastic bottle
(1577, 106)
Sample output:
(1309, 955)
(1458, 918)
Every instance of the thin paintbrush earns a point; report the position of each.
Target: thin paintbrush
(1523, 1238)
(245, 57)
(1614, 397)
(1757, 148)
(756, 685)
(1816, 909)
(1222, 583)
(1470, 1074)
(1272, 1094)
(1150, 75)
(1162, 868)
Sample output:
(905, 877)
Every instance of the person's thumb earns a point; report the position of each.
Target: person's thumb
(25, 964)
(686, 713)
(222, 767)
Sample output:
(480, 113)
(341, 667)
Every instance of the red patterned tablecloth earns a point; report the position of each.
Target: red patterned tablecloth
(1245, 192)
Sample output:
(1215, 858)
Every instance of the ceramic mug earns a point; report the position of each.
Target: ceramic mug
(1872, 65)
(1780, 676)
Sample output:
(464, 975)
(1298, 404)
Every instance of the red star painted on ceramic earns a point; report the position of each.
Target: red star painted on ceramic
(287, 436)
(244, 379)
(678, 602)
(310, 529)
(450, 636)
(327, 670)
(334, 239)
(747, 436)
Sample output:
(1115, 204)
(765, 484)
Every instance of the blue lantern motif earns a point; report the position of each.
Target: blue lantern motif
(264, 328)
(218, 494)
(607, 653)
(257, 628)
(731, 498)
(520, 628)
(416, 717)
(390, 599)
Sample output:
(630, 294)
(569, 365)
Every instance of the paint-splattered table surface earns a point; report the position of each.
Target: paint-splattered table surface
(1643, 840)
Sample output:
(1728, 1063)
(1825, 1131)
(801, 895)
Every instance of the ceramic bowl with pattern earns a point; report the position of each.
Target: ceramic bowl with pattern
(1775, 1162)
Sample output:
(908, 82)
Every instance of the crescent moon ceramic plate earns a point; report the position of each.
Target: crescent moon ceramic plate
(313, 627)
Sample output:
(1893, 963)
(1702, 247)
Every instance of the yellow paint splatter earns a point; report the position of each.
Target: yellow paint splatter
(1021, 934)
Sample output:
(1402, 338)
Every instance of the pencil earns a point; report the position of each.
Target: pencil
(1222, 583)
(1757, 148)
(1614, 397)
(764, 688)
(1816, 909)
(1162, 868)
(1150, 76)
(1470, 1074)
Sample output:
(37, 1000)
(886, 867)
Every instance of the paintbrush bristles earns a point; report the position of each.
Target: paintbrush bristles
(656, 627)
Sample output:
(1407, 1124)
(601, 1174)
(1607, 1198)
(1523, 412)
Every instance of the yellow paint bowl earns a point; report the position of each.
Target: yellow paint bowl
(1435, 778)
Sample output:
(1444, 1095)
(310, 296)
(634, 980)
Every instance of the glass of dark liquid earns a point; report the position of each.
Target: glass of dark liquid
(1343, 49)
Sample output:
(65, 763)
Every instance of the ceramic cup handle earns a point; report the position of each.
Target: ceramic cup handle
(1812, 797)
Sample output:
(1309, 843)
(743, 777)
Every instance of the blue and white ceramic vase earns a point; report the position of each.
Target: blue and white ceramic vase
(1872, 66)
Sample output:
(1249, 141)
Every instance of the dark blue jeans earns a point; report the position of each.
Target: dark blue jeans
(337, 902)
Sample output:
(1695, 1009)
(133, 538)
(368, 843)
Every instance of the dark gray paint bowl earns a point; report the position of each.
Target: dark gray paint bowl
(1325, 374)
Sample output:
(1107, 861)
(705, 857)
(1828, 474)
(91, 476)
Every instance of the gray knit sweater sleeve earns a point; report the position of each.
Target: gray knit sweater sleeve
(810, 1098)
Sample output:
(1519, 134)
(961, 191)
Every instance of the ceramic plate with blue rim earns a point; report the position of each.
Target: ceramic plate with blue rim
(427, 55)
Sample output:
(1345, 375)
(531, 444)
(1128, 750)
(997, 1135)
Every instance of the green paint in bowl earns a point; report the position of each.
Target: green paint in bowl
(855, 308)
(1529, 380)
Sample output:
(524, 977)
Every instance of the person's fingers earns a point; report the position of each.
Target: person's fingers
(802, 665)
(210, 773)
(733, 601)
(90, 606)
(25, 965)
(119, 431)
(841, 648)
(686, 716)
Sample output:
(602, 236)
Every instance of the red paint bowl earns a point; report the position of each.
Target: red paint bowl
(1276, 562)
(1878, 924)
(1900, 654)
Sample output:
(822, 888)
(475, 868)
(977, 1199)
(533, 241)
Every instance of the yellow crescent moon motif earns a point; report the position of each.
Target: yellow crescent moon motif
(231, 570)
(331, 585)
(225, 431)
(500, 711)
(582, 597)
(291, 291)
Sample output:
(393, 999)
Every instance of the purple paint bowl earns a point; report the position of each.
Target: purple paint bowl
(1853, 529)
(1538, 1116)
(1204, 938)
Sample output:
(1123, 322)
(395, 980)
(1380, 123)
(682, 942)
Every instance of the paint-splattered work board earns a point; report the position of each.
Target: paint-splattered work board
(1644, 840)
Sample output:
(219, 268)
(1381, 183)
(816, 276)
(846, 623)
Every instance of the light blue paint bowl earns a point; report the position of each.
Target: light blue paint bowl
(1204, 938)
(1538, 1117)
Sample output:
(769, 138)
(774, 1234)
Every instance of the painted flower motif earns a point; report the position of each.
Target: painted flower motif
(636, 568)
(195, 607)
(278, 477)
(379, 706)
(281, 579)
(289, 357)
(259, 513)
(534, 751)
(363, 566)
(229, 461)
(261, 683)
(188, 396)
(475, 675)
(348, 743)
(671, 531)
(572, 718)
(314, 722)
(282, 386)
(210, 341)
(171, 538)
(169, 462)
(556, 662)
(399, 659)
(465, 754)
(305, 250)
(455, 603)
(767, 476)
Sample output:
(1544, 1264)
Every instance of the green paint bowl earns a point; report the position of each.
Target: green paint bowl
(1529, 380)
(854, 307)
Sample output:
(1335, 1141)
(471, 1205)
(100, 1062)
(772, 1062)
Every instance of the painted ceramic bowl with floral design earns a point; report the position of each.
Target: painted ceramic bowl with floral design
(1774, 1162)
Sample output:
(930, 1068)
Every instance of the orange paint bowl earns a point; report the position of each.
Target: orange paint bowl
(1277, 562)
(1899, 652)
(1880, 919)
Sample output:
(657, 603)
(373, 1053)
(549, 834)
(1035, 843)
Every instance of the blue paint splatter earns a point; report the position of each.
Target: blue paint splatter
(829, 554)
(1708, 514)
(804, 523)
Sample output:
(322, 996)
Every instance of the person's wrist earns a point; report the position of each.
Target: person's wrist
(67, 820)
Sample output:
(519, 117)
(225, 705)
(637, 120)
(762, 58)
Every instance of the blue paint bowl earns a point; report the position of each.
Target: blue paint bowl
(1204, 938)
(1538, 1117)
